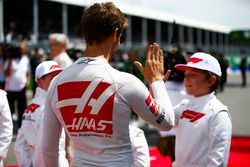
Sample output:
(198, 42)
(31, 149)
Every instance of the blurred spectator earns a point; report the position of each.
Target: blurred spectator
(20, 37)
(9, 36)
(243, 68)
(37, 56)
(223, 65)
(17, 72)
(2, 60)
(171, 58)
(58, 46)
(130, 67)
(32, 38)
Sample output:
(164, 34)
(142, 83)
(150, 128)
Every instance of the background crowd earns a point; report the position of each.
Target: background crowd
(19, 63)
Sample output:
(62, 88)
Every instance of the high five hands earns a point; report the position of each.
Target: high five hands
(154, 65)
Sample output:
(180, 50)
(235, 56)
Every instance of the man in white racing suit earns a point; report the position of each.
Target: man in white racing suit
(29, 135)
(93, 101)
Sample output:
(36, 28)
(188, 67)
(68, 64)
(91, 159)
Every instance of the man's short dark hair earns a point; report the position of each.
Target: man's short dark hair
(100, 20)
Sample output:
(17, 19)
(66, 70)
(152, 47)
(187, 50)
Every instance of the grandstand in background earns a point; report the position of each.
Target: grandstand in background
(36, 19)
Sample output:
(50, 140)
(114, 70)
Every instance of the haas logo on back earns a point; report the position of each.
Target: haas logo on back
(87, 106)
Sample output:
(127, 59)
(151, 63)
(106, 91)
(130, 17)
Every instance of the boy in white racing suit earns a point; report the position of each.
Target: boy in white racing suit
(203, 123)
(29, 135)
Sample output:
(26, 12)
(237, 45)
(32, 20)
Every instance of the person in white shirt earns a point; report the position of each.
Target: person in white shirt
(93, 101)
(28, 139)
(17, 75)
(6, 126)
(58, 46)
(203, 123)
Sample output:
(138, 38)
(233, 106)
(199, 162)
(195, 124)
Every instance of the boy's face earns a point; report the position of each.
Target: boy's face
(45, 80)
(196, 82)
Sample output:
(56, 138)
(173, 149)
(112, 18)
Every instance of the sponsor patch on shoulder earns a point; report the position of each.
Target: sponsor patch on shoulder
(86, 61)
(152, 104)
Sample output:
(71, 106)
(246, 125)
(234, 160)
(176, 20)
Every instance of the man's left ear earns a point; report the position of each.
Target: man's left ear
(114, 35)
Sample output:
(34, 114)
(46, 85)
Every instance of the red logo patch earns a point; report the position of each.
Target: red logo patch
(191, 115)
(194, 60)
(31, 108)
(152, 104)
(54, 67)
(87, 106)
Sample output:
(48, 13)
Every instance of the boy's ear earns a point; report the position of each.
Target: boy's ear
(38, 81)
(212, 80)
